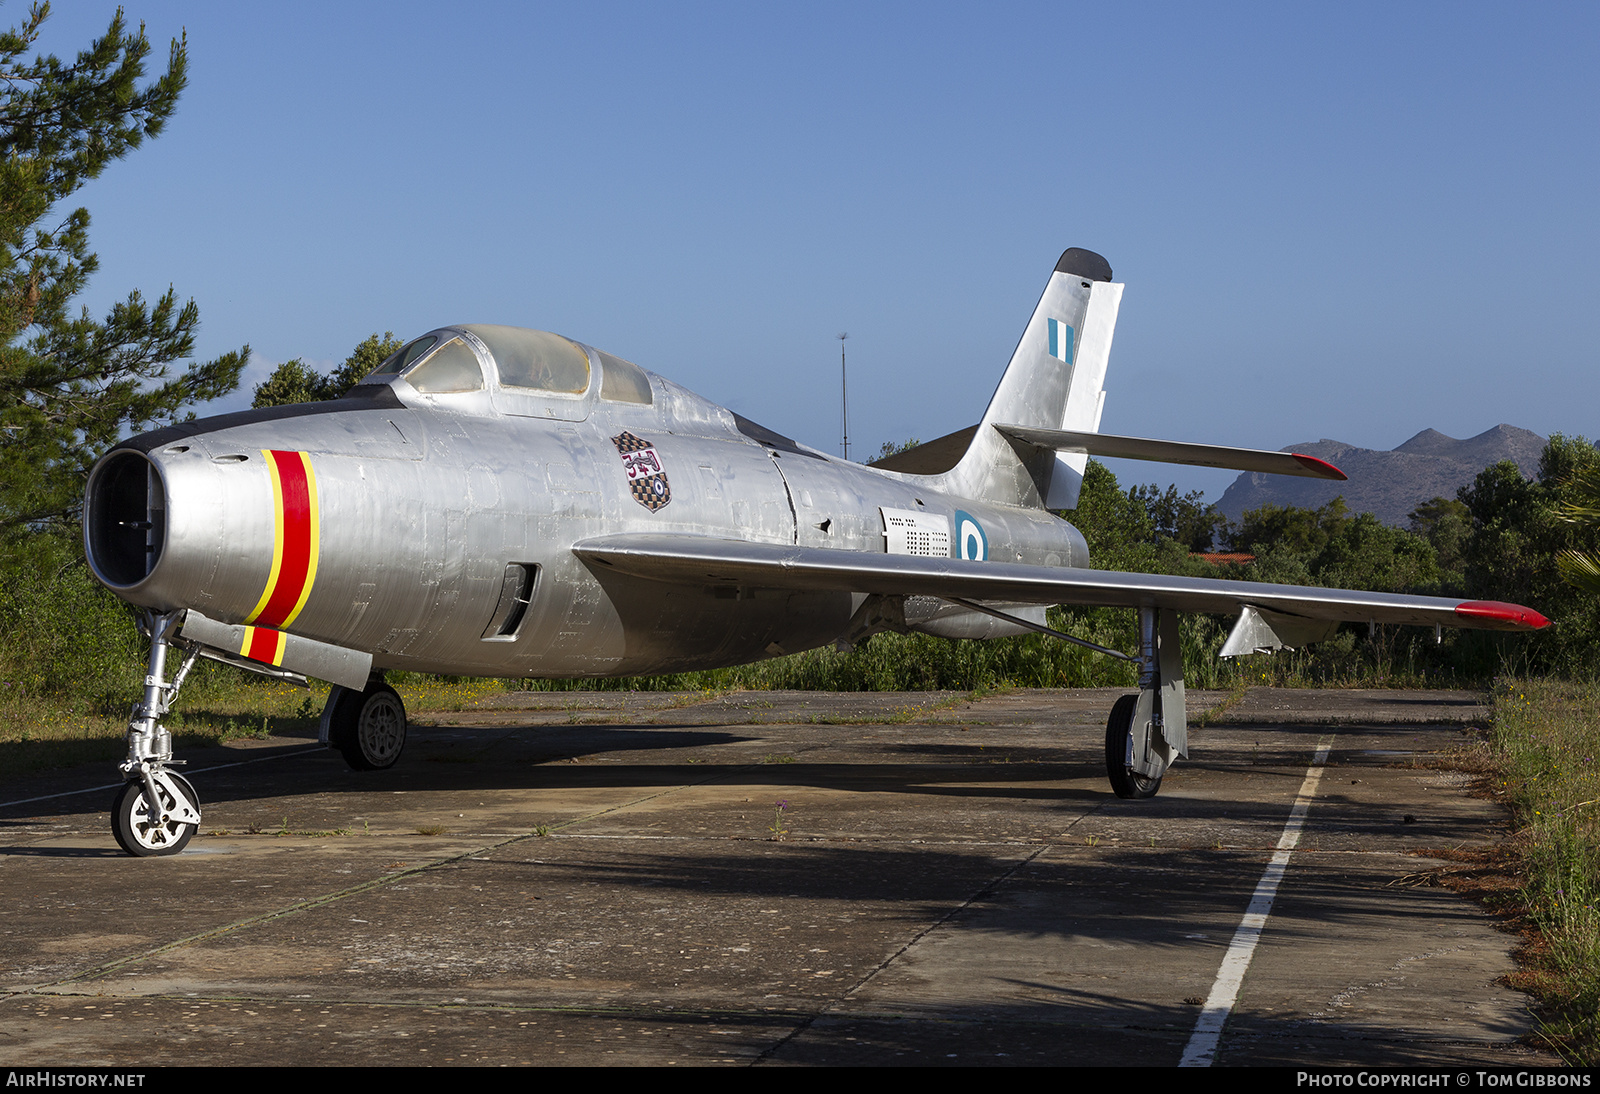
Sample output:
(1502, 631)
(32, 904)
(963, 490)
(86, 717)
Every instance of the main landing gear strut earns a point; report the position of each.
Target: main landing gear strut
(1147, 731)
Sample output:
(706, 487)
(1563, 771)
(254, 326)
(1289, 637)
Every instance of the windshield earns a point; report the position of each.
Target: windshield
(407, 353)
(452, 367)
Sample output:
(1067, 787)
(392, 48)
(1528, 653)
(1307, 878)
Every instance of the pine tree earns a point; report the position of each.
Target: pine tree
(70, 385)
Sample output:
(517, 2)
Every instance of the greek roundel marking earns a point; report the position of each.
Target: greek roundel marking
(971, 543)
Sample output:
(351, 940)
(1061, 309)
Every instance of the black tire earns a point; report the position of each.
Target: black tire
(134, 830)
(369, 727)
(1125, 782)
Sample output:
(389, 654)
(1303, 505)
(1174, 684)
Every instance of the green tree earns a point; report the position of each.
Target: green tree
(1185, 518)
(1581, 569)
(296, 382)
(292, 382)
(1305, 531)
(1364, 553)
(71, 385)
(1446, 523)
(1118, 527)
(893, 448)
(1521, 532)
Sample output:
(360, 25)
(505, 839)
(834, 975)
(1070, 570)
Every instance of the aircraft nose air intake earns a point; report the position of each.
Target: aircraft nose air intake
(124, 524)
(234, 534)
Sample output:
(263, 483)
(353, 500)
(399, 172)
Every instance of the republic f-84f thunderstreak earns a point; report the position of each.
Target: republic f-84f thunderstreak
(494, 501)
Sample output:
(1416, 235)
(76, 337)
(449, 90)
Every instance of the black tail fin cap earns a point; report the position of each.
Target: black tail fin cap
(1081, 263)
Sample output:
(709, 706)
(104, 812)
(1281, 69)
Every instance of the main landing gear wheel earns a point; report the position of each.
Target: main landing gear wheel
(143, 831)
(1125, 781)
(368, 727)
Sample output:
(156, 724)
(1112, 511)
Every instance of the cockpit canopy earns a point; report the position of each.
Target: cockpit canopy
(454, 360)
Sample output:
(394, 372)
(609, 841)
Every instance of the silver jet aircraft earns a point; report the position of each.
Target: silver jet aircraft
(494, 501)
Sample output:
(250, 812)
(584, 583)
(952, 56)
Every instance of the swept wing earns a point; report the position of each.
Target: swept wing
(700, 560)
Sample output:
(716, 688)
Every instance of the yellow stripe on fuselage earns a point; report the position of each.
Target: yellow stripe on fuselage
(277, 537)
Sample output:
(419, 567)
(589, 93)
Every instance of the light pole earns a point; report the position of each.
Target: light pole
(844, 396)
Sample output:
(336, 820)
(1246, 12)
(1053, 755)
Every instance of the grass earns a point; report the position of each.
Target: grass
(49, 731)
(1547, 739)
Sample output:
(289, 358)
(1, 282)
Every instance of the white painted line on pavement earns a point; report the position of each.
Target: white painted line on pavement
(1202, 1047)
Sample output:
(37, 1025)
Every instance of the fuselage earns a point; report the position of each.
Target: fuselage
(434, 529)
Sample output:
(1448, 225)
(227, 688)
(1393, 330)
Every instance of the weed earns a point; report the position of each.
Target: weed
(777, 758)
(431, 830)
(1547, 737)
(777, 827)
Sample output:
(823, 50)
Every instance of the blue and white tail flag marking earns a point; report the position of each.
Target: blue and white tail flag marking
(1060, 340)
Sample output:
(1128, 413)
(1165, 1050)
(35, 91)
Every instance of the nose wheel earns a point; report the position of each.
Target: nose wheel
(157, 811)
(146, 829)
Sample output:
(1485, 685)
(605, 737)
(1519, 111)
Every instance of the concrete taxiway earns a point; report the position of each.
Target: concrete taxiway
(775, 878)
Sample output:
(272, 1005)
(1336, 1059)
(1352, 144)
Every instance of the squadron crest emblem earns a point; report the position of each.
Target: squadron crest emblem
(647, 479)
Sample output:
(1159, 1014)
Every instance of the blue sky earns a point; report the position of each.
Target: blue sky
(1352, 221)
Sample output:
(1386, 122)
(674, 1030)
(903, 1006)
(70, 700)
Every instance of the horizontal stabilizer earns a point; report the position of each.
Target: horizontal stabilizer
(262, 649)
(703, 561)
(1200, 455)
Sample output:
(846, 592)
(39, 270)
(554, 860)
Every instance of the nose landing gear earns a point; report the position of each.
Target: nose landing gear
(157, 810)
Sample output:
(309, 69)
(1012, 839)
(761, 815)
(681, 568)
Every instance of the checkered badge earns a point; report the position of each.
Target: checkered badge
(647, 479)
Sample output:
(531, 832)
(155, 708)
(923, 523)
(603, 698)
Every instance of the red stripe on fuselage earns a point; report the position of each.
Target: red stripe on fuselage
(296, 518)
(263, 645)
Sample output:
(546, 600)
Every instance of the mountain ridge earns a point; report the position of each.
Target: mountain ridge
(1388, 483)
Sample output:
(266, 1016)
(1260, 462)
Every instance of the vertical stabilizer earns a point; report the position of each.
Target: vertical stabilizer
(1054, 381)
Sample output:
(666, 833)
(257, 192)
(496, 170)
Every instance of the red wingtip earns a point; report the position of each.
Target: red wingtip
(1321, 468)
(1501, 612)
